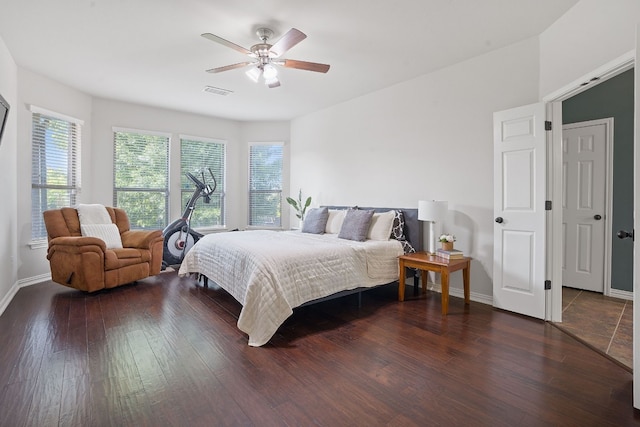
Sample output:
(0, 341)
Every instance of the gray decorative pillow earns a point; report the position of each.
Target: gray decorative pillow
(315, 221)
(356, 225)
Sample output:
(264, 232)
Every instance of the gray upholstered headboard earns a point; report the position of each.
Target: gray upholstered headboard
(412, 226)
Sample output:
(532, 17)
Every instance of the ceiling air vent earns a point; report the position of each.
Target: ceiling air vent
(217, 90)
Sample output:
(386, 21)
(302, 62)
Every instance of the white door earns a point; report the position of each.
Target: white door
(519, 210)
(636, 226)
(583, 205)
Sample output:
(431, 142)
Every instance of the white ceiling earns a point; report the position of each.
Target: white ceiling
(151, 52)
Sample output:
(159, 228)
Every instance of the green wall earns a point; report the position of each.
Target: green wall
(614, 98)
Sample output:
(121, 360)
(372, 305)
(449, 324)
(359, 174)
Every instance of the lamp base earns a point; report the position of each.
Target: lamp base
(432, 239)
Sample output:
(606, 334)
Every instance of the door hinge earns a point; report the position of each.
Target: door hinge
(547, 125)
(547, 285)
(547, 205)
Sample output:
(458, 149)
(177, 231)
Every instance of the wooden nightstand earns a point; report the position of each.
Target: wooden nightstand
(425, 262)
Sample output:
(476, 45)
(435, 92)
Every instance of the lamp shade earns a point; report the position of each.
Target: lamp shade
(432, 210)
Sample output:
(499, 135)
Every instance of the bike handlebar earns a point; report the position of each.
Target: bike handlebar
(195, 180)
(202, 190)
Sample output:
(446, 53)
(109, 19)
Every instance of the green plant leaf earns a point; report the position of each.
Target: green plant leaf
(298, 206)
(293, 203)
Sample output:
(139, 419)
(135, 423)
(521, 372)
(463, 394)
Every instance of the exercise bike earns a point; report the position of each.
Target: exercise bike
(178, 236)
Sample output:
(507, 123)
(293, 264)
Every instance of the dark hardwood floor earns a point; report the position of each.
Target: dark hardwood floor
(166, 351)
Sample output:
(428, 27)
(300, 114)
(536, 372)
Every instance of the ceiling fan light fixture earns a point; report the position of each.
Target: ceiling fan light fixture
(269, 72)
(254, 73)
(270, 81)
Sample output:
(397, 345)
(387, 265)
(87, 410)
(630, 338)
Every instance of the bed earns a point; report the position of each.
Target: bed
(272, 272)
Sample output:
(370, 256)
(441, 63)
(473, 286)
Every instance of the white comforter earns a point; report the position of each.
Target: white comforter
(271, 272)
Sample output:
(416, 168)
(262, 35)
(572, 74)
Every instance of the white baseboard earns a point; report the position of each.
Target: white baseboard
(616, 293)
(34, 280)
(459, 293)
(4, 303)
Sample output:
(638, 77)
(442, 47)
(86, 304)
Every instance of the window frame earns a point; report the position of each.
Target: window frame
(74, 182)
(221, 183)
(280, 191)
(165, 190)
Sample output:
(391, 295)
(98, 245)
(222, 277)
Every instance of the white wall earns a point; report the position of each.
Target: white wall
(34, 89)
(8, 178)
(109, 113)
(636, 254)
(589, 35)
(265, 132)
(427, 138)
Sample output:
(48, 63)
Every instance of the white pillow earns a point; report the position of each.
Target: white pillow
(381, 225)
(335, 220)
(107, 232)
(93, 214)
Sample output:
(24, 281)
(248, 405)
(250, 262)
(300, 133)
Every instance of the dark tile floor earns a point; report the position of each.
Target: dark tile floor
(603, 323)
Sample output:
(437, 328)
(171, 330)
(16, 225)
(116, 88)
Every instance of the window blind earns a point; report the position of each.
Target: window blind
(141, 177)
(265, 185)
(197, 156)
(55, 178)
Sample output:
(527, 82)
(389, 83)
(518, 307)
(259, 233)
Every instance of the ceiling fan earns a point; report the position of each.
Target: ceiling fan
(266, 55)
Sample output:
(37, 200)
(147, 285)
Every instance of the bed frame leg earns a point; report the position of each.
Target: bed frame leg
(205, 280)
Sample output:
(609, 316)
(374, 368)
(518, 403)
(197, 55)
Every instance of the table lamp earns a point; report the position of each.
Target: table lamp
(432, 211)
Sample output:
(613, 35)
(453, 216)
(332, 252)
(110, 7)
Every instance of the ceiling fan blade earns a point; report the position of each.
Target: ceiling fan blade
(229, 67)
(304, 65)
(227, 43)
(286, 42)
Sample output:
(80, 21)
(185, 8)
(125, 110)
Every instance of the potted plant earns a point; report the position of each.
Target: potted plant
(447, 241)
(300, 207)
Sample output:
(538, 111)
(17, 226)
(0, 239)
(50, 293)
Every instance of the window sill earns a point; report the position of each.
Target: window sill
(210, 230)
(256, 227)
(38, 244)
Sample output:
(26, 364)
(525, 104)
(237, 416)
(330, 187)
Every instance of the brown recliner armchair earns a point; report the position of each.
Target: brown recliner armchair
(85, 263)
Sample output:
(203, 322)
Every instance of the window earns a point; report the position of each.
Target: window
(140, 174)
(197, 156)
(265, 185)
(55, 177)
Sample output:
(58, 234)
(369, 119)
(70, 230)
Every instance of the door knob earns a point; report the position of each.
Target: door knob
(597, 217)
(623, 234)
(499, 220)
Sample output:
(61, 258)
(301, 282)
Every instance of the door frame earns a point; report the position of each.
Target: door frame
(608, 193)
(554, 163)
